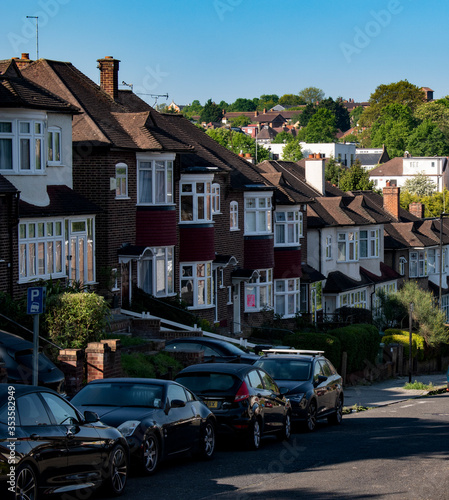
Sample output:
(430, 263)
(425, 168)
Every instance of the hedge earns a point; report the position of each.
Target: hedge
(396, 336)
(319, 342)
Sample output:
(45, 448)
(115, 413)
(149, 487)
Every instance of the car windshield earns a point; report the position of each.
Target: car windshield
(286, 369)
(120, 394)
(205, 383)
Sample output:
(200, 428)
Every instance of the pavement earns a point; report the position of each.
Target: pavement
(391, 391)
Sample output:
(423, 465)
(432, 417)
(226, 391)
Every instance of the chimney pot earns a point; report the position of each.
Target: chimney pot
(25, 55)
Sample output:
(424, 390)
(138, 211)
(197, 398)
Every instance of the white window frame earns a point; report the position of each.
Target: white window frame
(234, 216)
(121, 181)
(215, 198)
(200, 279)
(328, 246)
(371, 239)
(431, 260)
(35, 138)
(348, 246)
(73, 268)
(198, 208)
(161, 261)
(287, 297)
(356, 298)
(54, 149)
(402, 263)
(287, 227)
(259, 291)
(258, 213)
(157, 169)
(413, 266)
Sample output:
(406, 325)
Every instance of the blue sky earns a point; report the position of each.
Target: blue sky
(225, 49)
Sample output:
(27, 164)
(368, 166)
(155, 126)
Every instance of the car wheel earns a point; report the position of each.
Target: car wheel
(337, 416)
(254, 435)
(285, 433)
(150, 454)
(207, 441)
(311, 418)
(117, 471)
(26, 483)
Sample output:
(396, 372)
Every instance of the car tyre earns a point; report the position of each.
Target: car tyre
(150, 454)
(337, 417)
(255, 435)
(26, 483)
(207, 442)
(310, 423)
(286, 431)
(118, 468)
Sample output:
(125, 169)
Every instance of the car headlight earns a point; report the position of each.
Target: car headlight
(128, 427)
(296, 398)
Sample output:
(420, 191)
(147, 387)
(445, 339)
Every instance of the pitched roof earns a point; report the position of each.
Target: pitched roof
(391, 167)
(6, 186)
(19, 92)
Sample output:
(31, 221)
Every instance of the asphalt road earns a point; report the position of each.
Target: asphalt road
(400, 451)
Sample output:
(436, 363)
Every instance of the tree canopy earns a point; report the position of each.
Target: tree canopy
(292, 150)
(238, 143)
(311, 95)
(420, 185)
(427, 140)
(211, 112)
(291, 100)
(282, 137)
(242, 104)
(321, 127)
(356, 178)
(241, 121)
(334, 171)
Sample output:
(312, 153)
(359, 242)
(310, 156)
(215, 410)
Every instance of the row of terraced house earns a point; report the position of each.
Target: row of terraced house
(98, 187)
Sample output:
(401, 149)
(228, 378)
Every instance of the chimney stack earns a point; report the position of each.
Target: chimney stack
(391, 200)
(24, 60)
(109, 75)
(315, 173)
(416, 209)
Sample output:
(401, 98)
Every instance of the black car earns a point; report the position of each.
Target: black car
(159, 418)
(46, 446)
(214, 350)
(17, 354)
(313, 384)
(245, 400)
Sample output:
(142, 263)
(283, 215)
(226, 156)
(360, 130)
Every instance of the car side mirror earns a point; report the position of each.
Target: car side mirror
(320, 379)
(90, 417)
(177, 403)
(283, 391)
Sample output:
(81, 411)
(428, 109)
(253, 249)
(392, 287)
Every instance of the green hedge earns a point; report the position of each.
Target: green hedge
(396, 336)
(319, 342)
(360, 342)
(150, 365)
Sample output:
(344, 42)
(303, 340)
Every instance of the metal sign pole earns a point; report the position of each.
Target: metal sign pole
(35, 349)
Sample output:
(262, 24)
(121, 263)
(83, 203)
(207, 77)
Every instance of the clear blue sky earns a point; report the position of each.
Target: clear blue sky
(225, 49)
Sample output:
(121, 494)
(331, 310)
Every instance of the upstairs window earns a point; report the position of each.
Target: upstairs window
(402, 263)
(347, 246)
(258, 214)
(215, 198)
(155, 182)
(234, 216)
(196, 201)
(369, 243)
(328, 247)
(54, 146)
(121, 180)
(288, 227)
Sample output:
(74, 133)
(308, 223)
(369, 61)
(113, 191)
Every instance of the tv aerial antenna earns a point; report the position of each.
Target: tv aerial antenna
(37, 34)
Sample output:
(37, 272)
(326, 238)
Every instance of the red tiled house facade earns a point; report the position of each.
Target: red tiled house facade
(50, 228)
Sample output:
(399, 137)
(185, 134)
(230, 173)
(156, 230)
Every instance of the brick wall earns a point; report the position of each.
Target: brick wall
(71, 362)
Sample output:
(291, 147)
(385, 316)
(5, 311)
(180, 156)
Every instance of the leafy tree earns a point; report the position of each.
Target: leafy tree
(339, 111)
(291, 100)
(307, 114)
(437, 112)
(402, 92)
(311, 95)
(242, 104)
(282, 137)
(238, 143)
(356, 178)
(427, 140)
(355, 114)
(241, 121)
(292, 151)
(434, 204)
(426, 313)
(211, 112)
(321, 127)
(393, 128)
(334, 171)
(267, 101)
(420, 185)
(223, 105)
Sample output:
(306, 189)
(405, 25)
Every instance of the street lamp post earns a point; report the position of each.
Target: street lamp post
(410, 320)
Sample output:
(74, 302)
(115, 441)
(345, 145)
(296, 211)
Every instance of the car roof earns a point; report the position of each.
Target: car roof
(20, 389)
(230, 368)
(290, 356)
(131, 380)
(11, 340)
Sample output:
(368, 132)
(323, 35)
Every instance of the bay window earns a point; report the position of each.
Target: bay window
(258, 291)
(347, 246)
(288, 227)
(196, 200)
(258, 213)
(155, 272)
(286, 297)
(155, 181)
(197, 284)
(353, 299)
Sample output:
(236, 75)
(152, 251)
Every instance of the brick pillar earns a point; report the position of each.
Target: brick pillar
(109, 75)
(391, 200)
(71, 362)
(416, 209)
(114, 366)
(3, 373)
(97, 359)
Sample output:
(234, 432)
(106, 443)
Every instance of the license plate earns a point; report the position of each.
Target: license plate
(212, 404)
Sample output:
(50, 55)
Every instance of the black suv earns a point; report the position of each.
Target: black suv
(313, 384)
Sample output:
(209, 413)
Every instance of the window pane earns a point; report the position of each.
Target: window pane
(145, 186)
(40, 230)
(6, 154)
(24, 127)
(160, 186)
(50, 146)
(50, 269)
(57, 147)
(25, 159)
(186, 208)
(58, 257)
(41, 258)
(5, 127)
(79, 226)
(38, 154)
(32, 255)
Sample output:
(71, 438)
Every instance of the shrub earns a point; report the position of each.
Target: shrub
(75, 319)
(317, 341)
(150, 365)
(402, 337)
(360, 342)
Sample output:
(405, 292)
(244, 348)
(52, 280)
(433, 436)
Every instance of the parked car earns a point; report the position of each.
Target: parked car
(159, 418)
(214, 350)
(17, 353)
(245, 399)
(46, 445)
(313, 384)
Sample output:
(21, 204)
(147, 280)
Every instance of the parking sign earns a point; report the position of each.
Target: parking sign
(36, 299)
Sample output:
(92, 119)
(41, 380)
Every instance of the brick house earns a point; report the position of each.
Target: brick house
(48, 230)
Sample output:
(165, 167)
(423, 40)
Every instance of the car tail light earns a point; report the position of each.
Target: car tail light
(242, 393)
